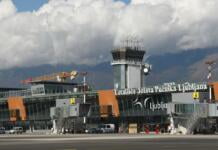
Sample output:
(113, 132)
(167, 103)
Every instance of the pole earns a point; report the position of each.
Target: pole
(84, 87)
(84, 94)
(210, 93)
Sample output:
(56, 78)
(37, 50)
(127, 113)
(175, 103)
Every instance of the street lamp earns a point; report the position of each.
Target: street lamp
(84, 74)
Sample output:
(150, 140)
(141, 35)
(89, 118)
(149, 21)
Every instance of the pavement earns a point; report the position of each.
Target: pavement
(108, 142)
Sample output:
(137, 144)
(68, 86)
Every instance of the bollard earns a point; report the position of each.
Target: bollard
(147, 130)
(157, 130)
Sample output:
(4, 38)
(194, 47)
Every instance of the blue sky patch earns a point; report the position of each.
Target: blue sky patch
(28, 5)
(31, 5)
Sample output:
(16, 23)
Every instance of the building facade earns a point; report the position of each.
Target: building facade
(57, 105)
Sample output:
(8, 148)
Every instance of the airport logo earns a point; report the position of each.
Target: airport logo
(149, 104)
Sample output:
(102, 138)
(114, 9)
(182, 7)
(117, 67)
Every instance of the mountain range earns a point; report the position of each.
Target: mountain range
(177, 67)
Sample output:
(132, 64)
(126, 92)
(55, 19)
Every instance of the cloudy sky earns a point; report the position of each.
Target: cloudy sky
(84, 31)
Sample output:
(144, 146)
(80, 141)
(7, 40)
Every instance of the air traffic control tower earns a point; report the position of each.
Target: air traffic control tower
(128, 67)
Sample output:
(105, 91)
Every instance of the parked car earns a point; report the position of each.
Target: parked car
(16, 130)
(94, 130)
(107, 128)
(204, 131)
(2, 130)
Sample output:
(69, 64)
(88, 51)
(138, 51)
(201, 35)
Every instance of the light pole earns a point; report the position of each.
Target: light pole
(84, 74)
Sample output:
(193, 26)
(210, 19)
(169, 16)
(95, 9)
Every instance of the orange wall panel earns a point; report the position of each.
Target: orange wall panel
(16, 103)
(108, 98)
(215, 88)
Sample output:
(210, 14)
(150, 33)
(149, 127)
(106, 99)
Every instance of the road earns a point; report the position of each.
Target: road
(108, 142)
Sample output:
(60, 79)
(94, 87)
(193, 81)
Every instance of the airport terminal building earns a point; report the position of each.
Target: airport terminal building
(131, 105)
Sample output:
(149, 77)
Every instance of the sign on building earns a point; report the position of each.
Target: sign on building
(72, 101)
(165, 88)
(195, 95)
(38, 90)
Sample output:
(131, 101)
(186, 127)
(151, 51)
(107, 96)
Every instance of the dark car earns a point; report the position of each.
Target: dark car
(94, 130)
(205, 131)
(2, 130)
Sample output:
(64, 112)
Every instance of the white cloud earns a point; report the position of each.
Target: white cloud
(6, 9)
(84, 31)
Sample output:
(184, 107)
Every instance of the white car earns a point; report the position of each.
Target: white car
(107, 128)
(16, 130)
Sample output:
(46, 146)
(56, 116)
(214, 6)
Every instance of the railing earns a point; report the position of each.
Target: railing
(127, 62)
(28, 93)
(15, 93)
(189, 115)
(60, 119)
(200, 111)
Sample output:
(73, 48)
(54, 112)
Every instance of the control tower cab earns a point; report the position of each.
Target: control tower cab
(128, 67)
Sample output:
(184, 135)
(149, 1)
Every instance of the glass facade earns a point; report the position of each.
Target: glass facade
(4, 112)
(187, 109)
(143, 105)
(184, 108)
(142, 109)
(37, 105)
(117, 76)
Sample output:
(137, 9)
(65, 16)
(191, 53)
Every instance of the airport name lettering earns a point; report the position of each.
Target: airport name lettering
(152, 106)
(158, 106)
(166, 87)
